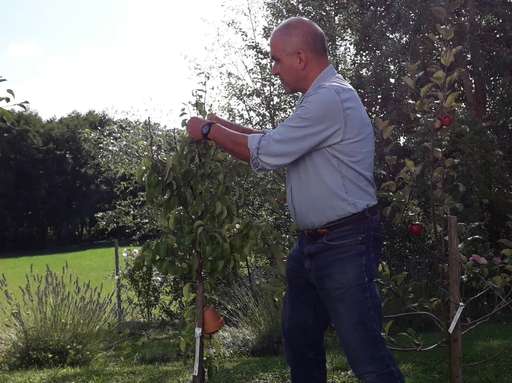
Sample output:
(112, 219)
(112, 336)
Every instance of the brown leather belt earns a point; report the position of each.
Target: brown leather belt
(360, 217)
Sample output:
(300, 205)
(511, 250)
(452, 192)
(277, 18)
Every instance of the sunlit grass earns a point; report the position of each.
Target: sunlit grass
(95, 265)
(487, 350)
(489, 347)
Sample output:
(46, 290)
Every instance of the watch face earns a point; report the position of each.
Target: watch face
(205, 130)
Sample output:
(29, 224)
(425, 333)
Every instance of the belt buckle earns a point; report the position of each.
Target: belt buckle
(322, 232)
(316, 233)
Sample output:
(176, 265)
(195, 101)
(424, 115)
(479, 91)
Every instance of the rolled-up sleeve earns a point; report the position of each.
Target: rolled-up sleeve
(316, 119)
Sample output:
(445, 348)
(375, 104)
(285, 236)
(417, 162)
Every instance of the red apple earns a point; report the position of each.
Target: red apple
(446, 120)
(416, 229)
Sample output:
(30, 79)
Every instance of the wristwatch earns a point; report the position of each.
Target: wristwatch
(206, 128)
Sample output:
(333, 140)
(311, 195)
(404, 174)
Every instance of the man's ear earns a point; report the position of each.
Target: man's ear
(301, 59)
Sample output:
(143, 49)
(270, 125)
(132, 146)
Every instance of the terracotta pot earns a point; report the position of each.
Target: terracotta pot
(212, 321)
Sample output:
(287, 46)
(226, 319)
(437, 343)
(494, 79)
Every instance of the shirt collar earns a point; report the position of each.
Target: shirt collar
(325, 75)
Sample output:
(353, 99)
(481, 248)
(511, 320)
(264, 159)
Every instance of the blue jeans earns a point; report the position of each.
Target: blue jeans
(330, 279)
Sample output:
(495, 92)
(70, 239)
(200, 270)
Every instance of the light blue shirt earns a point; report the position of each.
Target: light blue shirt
(327, 146)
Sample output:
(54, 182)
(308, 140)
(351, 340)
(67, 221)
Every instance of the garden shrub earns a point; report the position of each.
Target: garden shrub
(147, 292)
(56, 321)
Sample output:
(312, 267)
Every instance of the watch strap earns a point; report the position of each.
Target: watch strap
(206, 128)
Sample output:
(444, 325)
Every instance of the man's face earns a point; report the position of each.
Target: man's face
(285, 64)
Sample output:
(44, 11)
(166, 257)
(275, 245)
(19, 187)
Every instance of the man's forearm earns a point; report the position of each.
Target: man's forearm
(233, 142)
(234, 127)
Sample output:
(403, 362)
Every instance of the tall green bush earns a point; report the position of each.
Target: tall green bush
(149, 294)
(56, 321)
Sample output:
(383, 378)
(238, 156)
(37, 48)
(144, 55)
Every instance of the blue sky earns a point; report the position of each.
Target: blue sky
(127, 57)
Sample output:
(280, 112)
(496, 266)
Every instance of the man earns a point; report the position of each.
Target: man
(327, 146)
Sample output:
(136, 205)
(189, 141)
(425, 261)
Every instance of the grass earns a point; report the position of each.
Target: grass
(487, 350)
(95, 265)
(487, 358)
(126, 374)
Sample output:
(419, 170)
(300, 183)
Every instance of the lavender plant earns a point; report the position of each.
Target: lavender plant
(56, 320)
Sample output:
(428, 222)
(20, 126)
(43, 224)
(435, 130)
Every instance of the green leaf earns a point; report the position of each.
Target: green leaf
(439, 77)
(200, 229)
(218, 208)
(452, 78)
(220, 265)
(409, 164)
(6, 115)
(438, 172)
(388, 186)
(448, 33)
(410, 82)
(391, 160)
(447, 57)
(457, 49)
(449, 162)
(23, 105)
(426, 89)
(197, 225)
(413, 68)
(420, 105)
(183, 345)
(224, 212)
(506, 242)
(387, 131)
(451, 99)
(171, 219)
(439, 12)
(380, 123)
(384, 269)
(387, 327)
(507, 252)
(498, 281)
(432, 37)
(187, 292)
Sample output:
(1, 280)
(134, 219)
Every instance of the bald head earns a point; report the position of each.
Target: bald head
(299, 53)
(302, 34)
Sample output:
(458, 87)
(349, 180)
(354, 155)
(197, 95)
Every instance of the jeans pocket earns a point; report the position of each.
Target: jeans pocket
(343, 238)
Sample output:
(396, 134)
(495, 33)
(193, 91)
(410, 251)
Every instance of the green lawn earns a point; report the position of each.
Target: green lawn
(95, 265)
(487, 359)
(487, 350)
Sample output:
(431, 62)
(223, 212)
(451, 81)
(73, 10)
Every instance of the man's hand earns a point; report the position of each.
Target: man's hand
(232, 141)
(230, 125)
(194, 128)
(214, 118)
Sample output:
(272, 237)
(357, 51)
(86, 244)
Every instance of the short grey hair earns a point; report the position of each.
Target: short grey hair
(307, 32)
